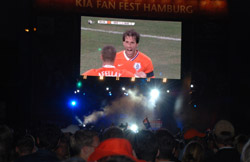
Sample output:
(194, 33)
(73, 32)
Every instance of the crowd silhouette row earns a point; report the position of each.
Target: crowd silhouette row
(50, 143)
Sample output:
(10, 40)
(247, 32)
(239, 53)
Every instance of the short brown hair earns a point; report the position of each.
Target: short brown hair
(131, 33)
(108, 53)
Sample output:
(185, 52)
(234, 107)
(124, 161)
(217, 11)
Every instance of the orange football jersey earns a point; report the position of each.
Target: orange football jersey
(108, 71)
(139, 63)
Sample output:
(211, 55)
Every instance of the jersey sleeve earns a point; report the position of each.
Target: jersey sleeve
(149, 69)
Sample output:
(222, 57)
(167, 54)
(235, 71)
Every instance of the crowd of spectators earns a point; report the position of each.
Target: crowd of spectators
(50, 143)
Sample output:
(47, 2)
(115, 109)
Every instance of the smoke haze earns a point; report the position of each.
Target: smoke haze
(132, 108)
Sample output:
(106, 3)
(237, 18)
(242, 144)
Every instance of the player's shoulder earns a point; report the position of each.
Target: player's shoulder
(120, 54)
(90, 72)
(144, 56)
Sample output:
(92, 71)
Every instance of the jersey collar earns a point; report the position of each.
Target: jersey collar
(108, 66)
(129, 58)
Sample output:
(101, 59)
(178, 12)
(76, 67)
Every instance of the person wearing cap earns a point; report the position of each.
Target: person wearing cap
(82, 144)
(114, 149)
(224, 133)
(192, 133)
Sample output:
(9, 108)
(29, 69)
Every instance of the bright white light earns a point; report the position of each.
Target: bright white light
(154, 94)
(134, 128)
(101, 77)
(168, 91)
(107, 88)
(78, 91)
(73, 103)
(192, 86)
(123, 88)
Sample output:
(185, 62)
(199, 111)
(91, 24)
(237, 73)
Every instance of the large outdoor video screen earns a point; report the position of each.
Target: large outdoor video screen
(159, 40)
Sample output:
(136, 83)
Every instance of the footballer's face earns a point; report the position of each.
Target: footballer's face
(130, 46)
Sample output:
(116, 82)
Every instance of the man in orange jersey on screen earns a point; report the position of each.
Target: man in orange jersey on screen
(108, 69)
(132, 59)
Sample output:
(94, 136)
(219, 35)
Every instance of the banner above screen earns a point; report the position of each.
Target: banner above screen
(152, 9)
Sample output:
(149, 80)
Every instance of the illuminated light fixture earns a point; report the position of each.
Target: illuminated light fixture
(101, 77)
(164, 80)
(134, 128)
(110, 93)
(72, 103)
(78, 91)
(148, 79)
(107, 88)
(191, 86)
(154, 94)
(123, 88)
(85, 76)
(168, 91)
(117, 78)
(27, 30)
(34, 29)
(132, 79)
(79, 84)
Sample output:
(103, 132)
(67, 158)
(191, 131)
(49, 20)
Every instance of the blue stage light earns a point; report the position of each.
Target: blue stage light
(73, 103)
